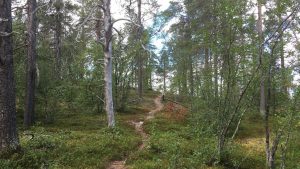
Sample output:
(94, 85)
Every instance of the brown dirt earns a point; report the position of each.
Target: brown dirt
(117, 165)
(175, 111)
(138, 125)
(159, 106)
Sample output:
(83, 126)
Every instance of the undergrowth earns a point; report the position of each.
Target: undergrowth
(81, 141)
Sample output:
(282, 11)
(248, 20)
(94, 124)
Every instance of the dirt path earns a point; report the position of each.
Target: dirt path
(138, 125)
(159, 106)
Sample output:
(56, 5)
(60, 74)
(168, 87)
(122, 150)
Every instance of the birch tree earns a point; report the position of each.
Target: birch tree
(107, 49)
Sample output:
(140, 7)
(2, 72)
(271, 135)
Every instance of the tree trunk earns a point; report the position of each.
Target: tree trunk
(216, 86)
(262, 81)
(57, 38)
(109, 107)
(221, 145)
(192, 91)
(164, 73)
(140, 56)
(31, 65)
(284, 88)
(207, 80)
(283, 74)
(263, 111)
(8, 130)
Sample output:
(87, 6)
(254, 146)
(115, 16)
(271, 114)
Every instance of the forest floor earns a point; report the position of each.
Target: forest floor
(138, 125)
(169, 136)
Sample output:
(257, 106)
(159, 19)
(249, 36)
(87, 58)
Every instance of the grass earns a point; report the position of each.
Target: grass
(251, 143)
(78, 140)
(171, 145)
(73, 141)
(176, 141)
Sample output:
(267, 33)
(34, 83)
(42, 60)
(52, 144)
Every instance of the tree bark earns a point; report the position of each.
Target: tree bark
(284, 88)
(164, 60)
(207, 79)
(8, 130)
(31, 65)
(216, 86)
(109, 107)
(57, 38)
(165, 73)
(263, 111)
(282, 61)
(262, 80)
(191, 67)
(140, 57)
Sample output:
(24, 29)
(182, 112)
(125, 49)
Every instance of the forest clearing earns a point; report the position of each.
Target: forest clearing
(149, 84)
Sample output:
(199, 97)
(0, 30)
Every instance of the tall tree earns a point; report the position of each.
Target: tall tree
(58, 36)
(140, 56)
(8, 130)
(280, 10)
(107, 48)
(31, 64)
(262, 106)
(164, 62)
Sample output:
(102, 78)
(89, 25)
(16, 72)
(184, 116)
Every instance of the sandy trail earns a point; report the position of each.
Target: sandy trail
(159, 106)
(138, 125)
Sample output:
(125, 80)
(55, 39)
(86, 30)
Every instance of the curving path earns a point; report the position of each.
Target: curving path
(138, 125)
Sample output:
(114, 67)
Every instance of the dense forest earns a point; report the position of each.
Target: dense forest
(122, 84)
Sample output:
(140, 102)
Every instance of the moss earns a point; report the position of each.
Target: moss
(82, 141)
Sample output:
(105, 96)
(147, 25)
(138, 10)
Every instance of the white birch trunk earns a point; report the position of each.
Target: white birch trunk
(109, 106)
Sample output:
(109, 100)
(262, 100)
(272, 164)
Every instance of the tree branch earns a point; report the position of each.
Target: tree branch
(293, 14)
(124, 19)
(5, 34)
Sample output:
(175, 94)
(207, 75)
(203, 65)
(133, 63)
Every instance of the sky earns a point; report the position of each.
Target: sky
(116, 5)
(119, 12)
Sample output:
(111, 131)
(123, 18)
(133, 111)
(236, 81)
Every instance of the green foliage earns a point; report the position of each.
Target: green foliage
(212, 59)
(171, 145)
(86, 143)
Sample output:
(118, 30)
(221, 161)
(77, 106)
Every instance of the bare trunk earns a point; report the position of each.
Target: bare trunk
(284, 79)
(57, 38)
(284, 88)
(216, 86)
(263, 110)
(221, 144)
(140, 56)
(109, 107)
(267, 138)
(31, 65)
(207, 78)
(283, 70)
(262, 80)
(8, 130)
(108, 87)
(140, 76)
(191, 76)
(165, 73)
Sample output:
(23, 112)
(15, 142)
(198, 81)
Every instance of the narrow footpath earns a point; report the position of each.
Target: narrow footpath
(138, 125)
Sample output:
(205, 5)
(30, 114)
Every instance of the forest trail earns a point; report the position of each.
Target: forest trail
(138, 125)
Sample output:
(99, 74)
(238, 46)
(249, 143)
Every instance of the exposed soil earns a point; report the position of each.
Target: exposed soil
(138, 125)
